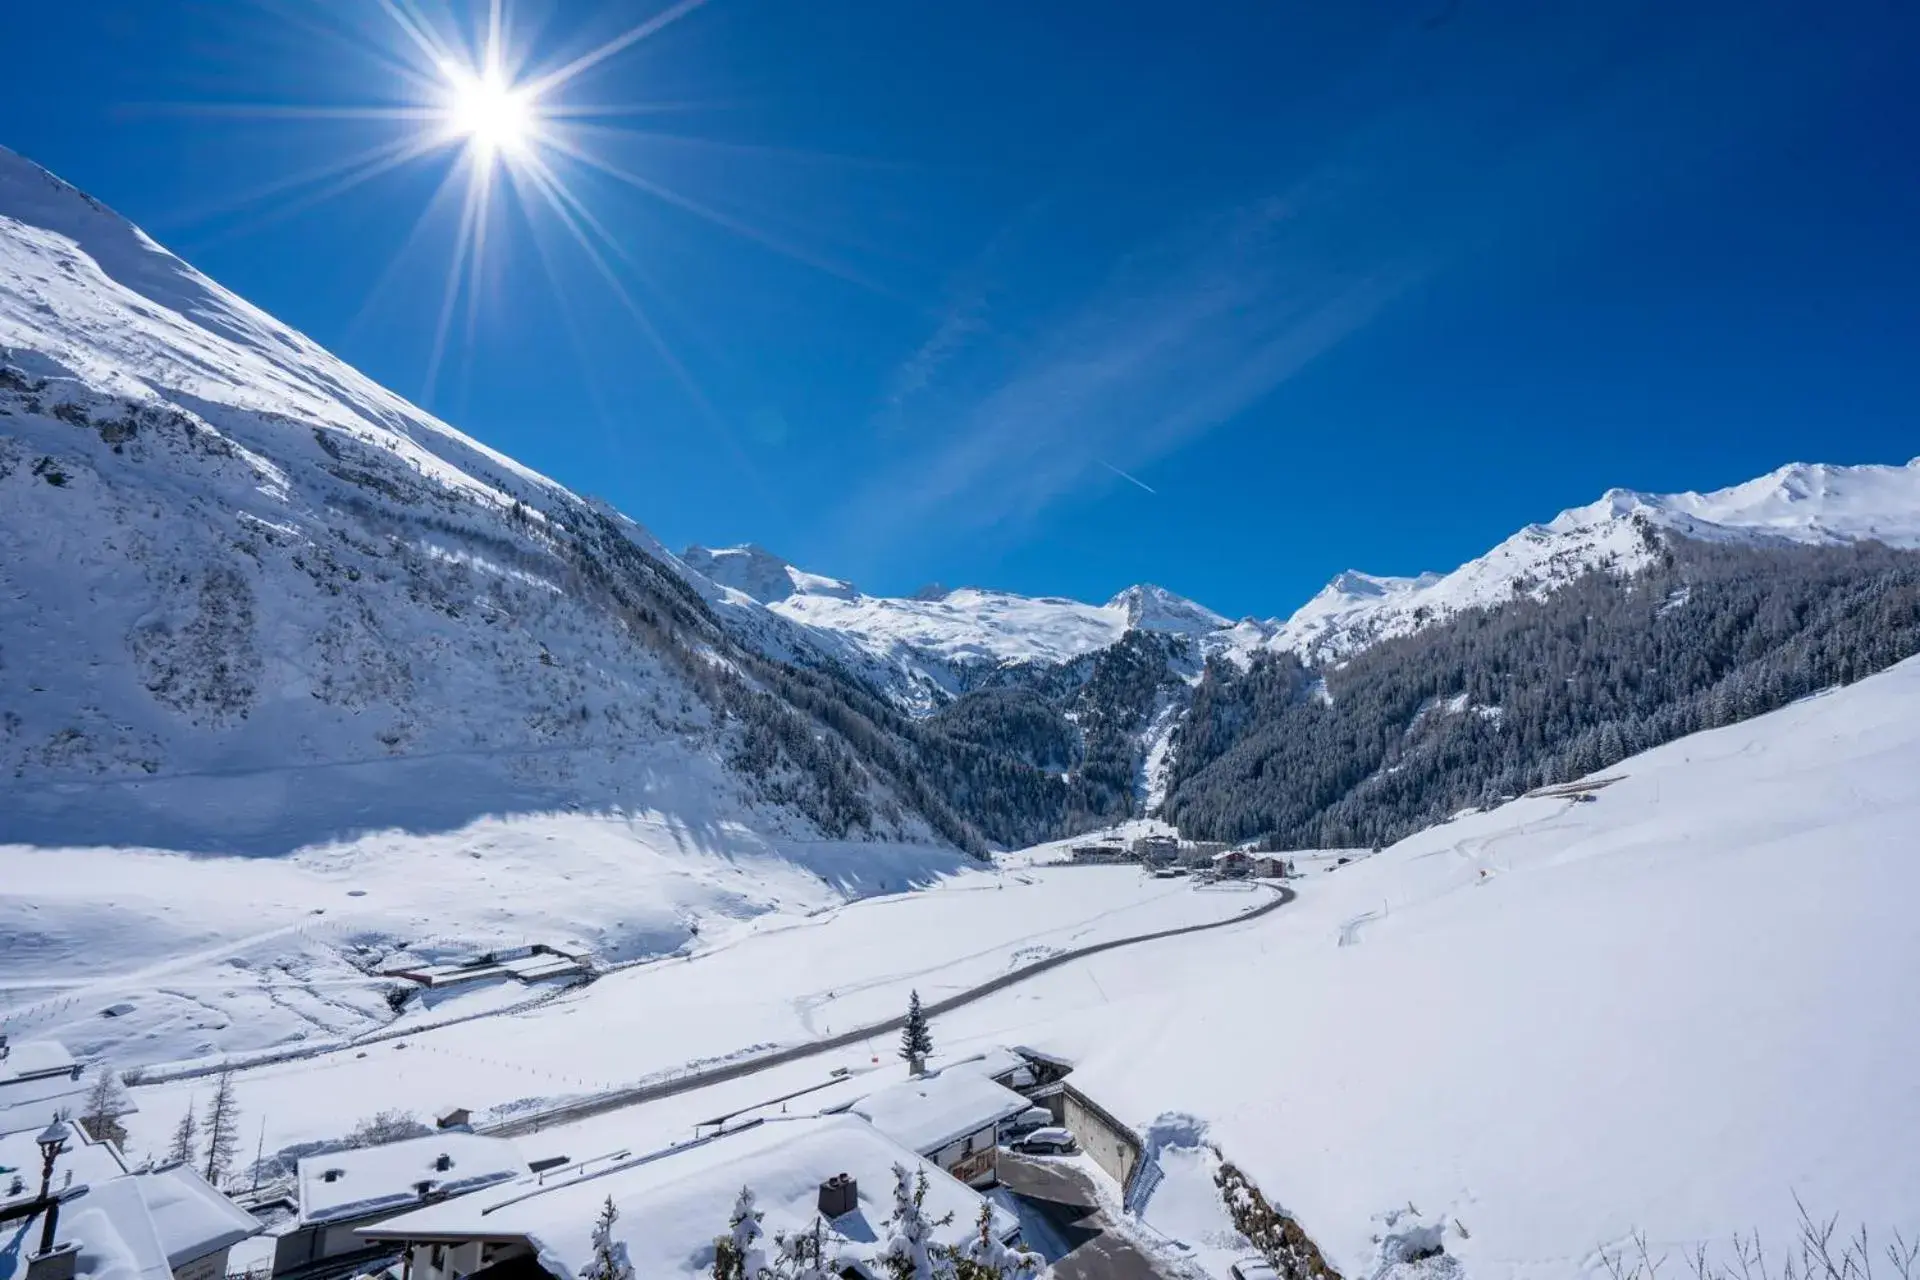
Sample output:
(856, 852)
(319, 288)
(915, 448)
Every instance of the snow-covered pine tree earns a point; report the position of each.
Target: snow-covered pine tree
(104, 1104)
(916, 1041)
(910, 1251)
(222, 1126)
(609, 1255)
(984, 1258)
(737, 1255)
(181, 1149)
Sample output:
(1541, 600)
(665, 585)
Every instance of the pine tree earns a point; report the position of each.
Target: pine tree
(983, 1257)
(916, 1042)
(737, 1255)
(181, 1150)
(104, 1105)
(910, 1251)
(222, 1126)
(609, 1255)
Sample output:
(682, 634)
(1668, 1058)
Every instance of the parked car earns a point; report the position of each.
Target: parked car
(1050, 1141)
(1253, 1269)
(1024, 1123)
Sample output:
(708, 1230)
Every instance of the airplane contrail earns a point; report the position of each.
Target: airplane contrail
(1130, 479)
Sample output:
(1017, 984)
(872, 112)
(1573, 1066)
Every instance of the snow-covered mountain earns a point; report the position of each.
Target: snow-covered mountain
(254, 599)
(924, 648)
(1801, 503)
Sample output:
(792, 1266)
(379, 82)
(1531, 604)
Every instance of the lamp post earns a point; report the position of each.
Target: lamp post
(53, 1141)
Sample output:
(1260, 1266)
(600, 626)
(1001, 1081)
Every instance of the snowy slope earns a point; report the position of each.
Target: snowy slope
(1801, 503)
(255, 601)
(1670, 1009)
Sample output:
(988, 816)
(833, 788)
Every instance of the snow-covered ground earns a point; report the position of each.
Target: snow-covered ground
(202, 955)
(782, 978)
(1670, 1009)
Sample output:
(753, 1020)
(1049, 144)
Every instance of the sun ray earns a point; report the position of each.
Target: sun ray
(626, 39)
(291, 182)
(727, 221)
(415, 235)
(456, 270)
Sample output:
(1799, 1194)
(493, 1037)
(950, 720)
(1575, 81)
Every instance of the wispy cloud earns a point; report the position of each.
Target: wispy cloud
(1183, 335)
(1130, 478)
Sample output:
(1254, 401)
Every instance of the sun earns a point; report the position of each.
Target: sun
(495, 117)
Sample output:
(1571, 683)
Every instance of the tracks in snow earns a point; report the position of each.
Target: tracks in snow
(616, 1099)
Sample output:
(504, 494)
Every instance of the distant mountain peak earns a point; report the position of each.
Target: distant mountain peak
(1151, 608)
(759, 573)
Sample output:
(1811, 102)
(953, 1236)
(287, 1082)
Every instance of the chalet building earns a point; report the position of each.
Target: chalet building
(1157, 851)
(1232, 864)
(91, 1218)
(1272, 866)
(835, 1170)
(342, 1191)
(952, 1119)
(1099, 855)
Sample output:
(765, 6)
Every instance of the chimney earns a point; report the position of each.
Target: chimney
(839, 1195)
(444, 1163)
(55, 1264)
(423, 1188)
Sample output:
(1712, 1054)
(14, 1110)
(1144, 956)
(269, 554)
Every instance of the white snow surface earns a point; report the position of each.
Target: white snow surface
(672, 1204)
(1669, 1010)
(928, 1113)
(339, 1186)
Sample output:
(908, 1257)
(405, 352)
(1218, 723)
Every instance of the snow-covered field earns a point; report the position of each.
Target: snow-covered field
(1671, 1009)
(206, 955)
(782, 978)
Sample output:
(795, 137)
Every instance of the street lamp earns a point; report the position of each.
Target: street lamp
(52, 1141)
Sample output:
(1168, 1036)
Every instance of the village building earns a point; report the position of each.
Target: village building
(107, 1222)
(1157, 851)
(1020, 1069)
(1272, 866)
(1099, 855)
(835, 1171)
(342, 1191)
(952, 1119)
(1232, 864)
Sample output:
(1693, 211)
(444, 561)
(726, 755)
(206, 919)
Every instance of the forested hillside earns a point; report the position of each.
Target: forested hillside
(1497, 700)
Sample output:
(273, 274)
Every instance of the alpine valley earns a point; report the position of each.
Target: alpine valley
(256, 602)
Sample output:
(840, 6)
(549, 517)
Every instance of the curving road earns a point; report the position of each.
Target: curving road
(615, 1099)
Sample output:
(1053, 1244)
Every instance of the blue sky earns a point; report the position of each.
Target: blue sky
(1062, 296)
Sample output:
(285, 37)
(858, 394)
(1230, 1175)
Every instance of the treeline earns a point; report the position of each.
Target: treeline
(1497, 701)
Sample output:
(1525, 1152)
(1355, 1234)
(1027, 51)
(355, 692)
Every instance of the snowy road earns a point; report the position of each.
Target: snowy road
(614, 1100)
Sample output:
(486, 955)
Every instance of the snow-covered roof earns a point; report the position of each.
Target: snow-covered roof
(344, 1185)
(128, 1226)
(1228, 855)
(673, 1203)
(30, 1104)
(34, 1058)
(189, 1216)
(927, 1113)
(997, 1061)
